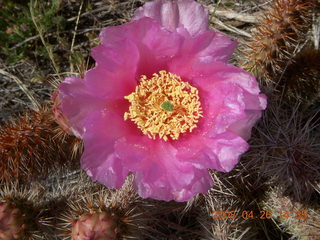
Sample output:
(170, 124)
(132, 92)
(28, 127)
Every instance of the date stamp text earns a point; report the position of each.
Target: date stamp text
(263, 214)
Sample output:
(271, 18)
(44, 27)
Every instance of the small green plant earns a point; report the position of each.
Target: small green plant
(18, 35)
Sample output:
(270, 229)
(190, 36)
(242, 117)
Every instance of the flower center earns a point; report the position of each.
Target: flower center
(164, 106)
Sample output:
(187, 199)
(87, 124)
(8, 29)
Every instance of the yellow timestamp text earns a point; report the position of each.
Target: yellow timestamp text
(263, 214)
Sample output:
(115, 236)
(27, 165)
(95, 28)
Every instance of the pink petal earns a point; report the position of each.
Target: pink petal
(254, 105)
(98, 90)
(221, 152)
(230, 97)
(77, 103)
(220, 48)
(155, 44)
(102, 129)
(207, 47)
(225, 107)
(228, 147)
(200, 183)
(194, 149)
(122, 54)
(158, 173)
(143, 33)
(243, 127)
(208, 74)
(110, 172)
(200, 43)
(173, 14)
(110, 85)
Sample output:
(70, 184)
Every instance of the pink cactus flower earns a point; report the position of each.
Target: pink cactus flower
(162, 103)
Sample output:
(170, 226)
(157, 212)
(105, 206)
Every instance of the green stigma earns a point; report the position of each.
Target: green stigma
(166, 105)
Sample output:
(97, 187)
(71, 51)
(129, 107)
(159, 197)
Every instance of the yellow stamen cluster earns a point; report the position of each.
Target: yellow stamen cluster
(164, 105)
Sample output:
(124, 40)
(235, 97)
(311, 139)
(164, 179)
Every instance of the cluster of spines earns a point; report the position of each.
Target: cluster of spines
(21, 214)
(214, 225)
(234, 193)
(277, 38)
(286, 152)
(30, 147)
(301, 221)
(301, 78)
(104, 214)
(79, 211)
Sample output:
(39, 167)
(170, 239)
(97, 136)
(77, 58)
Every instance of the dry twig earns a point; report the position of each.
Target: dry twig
(34, 102)
(229, 14)
(229, 27)
(74, 36)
